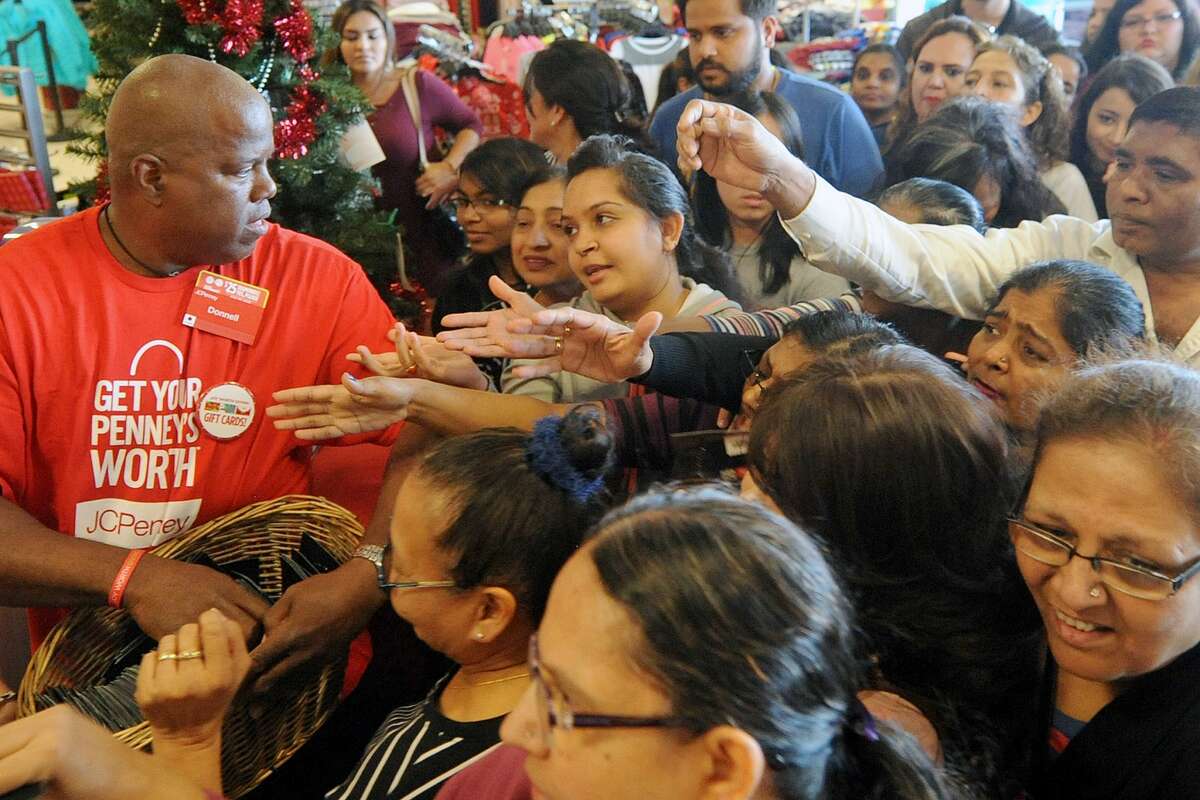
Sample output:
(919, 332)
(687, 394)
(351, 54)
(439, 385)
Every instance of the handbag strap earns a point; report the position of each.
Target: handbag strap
(412, 99)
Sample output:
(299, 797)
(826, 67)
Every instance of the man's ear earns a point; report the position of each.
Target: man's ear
(149, 177)
(771, 30)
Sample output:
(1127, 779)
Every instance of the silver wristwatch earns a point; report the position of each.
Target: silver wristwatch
(374, 554)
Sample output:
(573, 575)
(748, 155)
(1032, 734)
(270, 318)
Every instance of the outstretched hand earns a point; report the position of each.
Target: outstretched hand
(485, 334)
(356, 406)
(734, 147)
(418, 356)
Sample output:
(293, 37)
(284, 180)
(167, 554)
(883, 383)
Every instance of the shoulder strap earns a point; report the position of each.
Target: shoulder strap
(408, 84)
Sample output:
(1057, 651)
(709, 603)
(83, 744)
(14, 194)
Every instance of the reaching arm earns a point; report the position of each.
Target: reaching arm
(711, 367)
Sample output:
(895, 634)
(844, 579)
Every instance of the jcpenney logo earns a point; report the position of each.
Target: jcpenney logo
(130, 524)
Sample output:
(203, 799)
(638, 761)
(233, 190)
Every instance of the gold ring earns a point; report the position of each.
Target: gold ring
(189, 654)
(167, 657)
(411, 369)
(567, 330)
(558, 344)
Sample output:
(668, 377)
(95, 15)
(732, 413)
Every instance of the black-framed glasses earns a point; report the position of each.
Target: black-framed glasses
(1135, 23)
(1145, 584)
(553, 710)
(482, 206)
(387, 587)
(750, 360)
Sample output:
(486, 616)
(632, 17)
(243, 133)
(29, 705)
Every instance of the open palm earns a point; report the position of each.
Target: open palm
(316, 413)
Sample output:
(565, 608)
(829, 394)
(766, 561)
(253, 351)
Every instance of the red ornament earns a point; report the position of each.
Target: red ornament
(295, 31)
(242, 22)
(298, 129)
(197, 12)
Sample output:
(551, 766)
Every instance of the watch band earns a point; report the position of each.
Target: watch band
(374, 554)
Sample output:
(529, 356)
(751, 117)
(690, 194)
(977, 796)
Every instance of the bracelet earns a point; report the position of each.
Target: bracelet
(116, 595)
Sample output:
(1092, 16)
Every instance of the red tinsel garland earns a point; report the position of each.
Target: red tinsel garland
(242, 23)
(298, 129)
(295, 32)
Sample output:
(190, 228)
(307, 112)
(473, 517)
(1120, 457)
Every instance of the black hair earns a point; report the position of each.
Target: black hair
(668, 80)
(649, 184)
(1071, 52)
(637, 97)
(502, 166)
(939, 202)
(757, 10)
(970, 138)
(896, 463)
(538, 176)
(1179, 107)
(1141, 79)
(590, 87)
(889, 50)
(1107, 45)
(1096, 308)
(743, 623)
(507, 524)
(841, 333)
(776, 248)
(343, 13)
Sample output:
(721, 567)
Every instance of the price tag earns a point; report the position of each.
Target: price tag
(226, 307)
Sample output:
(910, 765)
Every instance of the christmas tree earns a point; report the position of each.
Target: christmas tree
(276, 46)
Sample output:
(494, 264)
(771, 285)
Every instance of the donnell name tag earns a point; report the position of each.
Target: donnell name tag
(226, 307)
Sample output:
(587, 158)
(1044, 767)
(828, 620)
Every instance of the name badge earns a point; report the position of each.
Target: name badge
(226, 307)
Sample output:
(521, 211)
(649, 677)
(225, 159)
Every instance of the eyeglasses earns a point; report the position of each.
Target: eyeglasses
(751, 359)
(482, 206)
(1047, 548)
(553, 710)
(1160, 20)
(387, 587)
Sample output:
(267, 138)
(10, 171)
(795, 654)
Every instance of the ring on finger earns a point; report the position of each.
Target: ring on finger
(566, 330)
(168, 657)
(190, 654)
(558, 344)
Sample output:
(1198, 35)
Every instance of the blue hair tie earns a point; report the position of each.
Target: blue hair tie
(551, 462)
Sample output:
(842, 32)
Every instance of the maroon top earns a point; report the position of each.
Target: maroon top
(393, 127)
(500, 775)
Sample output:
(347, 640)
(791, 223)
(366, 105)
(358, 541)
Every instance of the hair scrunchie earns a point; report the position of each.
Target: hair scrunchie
(860, 720)
(551, 462)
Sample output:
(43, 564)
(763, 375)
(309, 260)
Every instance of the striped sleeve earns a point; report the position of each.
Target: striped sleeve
(771, 322)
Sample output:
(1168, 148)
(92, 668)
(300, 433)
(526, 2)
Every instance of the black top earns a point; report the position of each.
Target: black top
(466, 291)
(415, 751)
(704, 366)
(1019, 21)
(1145, 743)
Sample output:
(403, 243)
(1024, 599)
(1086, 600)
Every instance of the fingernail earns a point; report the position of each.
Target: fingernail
(350, 378)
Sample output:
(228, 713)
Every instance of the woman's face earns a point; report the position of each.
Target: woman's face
(364, 43)
(441, 617)
(539, 246)
(1111, 497)
(1107, 123)
(745, 207)
(1153, 29)
(995, 76)
(784, 358)
(1096, 18)
(939, 72)
(487, 222)
(875, 84)
(1068, 70)
(584, 648)
(618, 251)
(1019, 351)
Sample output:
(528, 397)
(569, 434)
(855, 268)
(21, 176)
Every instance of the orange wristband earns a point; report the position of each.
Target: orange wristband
(116, 595)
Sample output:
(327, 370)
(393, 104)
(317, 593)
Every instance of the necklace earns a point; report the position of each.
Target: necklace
(120, 244)
(486, 683)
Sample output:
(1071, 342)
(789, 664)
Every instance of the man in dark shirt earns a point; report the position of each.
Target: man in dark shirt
(1001, 17)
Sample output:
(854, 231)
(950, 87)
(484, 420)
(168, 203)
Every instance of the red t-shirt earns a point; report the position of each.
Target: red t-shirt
(100, 381)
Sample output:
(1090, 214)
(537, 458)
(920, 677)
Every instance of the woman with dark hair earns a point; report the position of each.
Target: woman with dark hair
(976, 145)
(491, 181)
(1072, 68)
(895, 464)
(1046, 319)
(937, 70)
(875, 84)
(676, 78)
(711, 648)
(574, 90)
(628, 224)
(480, 528)
(1107, 538)
(368, 47)
(539, 243)
(932, 202)
(1102, 116)
(767, 262)
(1165, 31)
(1012, 73)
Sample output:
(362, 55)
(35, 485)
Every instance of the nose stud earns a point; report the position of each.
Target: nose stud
(1094, 592)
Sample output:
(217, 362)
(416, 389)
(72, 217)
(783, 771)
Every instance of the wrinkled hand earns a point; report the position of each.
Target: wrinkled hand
(587, 344)
(485, 334)
(728, 144)
(316, 413)
(437, 182)
(165, 595)
(421, 357)
(185, 699)
(314, 621)
(78, 760)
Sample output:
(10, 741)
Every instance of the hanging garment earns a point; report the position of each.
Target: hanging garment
(648, 57)
(73, 60)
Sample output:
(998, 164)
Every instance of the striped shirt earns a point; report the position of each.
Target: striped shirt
(415, 750)
(771, 322)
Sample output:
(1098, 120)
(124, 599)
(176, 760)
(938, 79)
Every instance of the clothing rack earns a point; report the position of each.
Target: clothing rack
(30, 133)
(453, 54)
(61, 133)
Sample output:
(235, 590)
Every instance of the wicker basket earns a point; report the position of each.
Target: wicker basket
(80, 649)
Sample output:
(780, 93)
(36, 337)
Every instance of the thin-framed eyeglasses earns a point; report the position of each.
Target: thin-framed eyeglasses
(752, 358)
(1160, 20)
(1145, 584)
(482, 206)
(388, 586)
(553, 710)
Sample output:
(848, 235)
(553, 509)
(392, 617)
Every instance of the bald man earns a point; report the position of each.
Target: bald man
(140, 343)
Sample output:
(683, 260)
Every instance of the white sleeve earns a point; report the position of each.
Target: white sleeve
(1069, 186)
(948, 268)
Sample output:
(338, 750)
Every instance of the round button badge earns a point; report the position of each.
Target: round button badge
(226, 411)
